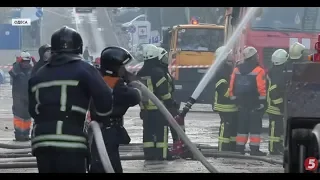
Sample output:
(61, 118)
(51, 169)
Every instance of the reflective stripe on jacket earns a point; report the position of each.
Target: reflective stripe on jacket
(273, 103)
(57, 139)
(222, 101)
(146, 103)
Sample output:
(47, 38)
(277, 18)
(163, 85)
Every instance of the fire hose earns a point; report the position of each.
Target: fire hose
(106, 162)
(197, 154)
(104, 157)
(94, 126)
(30, 162)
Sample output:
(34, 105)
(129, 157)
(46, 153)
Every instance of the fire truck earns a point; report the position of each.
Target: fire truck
(276, 27)
(273, 28)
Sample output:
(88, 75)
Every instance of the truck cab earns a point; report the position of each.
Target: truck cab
(191, 51)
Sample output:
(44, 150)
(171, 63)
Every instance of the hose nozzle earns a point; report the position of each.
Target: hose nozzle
(186, 108)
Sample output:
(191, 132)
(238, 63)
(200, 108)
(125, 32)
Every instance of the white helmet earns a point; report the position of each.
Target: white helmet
(249, 51)
(219, 50)
(279, 57)
(296, 50)
(25, 56)
(150, 51)
(163, 55)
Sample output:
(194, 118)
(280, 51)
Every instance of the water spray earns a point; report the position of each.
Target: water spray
(218, 62)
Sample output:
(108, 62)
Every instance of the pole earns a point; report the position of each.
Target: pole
(41, 30)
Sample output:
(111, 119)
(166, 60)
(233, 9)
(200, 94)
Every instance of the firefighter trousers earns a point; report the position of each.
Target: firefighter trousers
(227, 131)
(174, 134)
(52, 160)
(113, 137)
(249, 122)
(155, 135)
(275, 133)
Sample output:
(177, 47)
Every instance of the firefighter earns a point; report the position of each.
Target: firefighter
(44, 54)
(59, 96)
(112, 69)
(86, 54)
(20, 74)
(276, 91)
(248, 90)
(224, 106)
(178, 148)
(155, 127)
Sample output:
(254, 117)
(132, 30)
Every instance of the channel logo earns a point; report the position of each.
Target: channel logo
(21, 22)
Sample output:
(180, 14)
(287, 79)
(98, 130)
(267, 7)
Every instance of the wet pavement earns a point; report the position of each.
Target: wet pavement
(201, 127)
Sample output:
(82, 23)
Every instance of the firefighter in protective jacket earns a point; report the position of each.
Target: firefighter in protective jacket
(44, 54)
(178, 148)
(59, 96)
(224, 106)
(113, 60)
(276, 92)
(248, 90)
(155, 127)
(20, 74)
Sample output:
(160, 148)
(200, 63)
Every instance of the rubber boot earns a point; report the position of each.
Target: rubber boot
(22, 138)
(233, 147)
(254, 151)
(277, 151)
(240, 149)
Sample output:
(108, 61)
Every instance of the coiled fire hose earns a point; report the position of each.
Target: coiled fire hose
(196, 153)
(25, 162)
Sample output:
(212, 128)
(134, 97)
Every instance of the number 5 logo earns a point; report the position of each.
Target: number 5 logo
(311, 164)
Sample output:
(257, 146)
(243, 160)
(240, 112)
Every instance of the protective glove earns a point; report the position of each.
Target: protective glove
(142, 114)
(176, 105)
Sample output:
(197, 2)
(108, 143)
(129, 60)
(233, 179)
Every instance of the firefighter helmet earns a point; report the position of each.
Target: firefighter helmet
(163, 55)
(248, 52)
(279, 57)
(112, 58)
(296, 50)
(219, 50)
(25, 56)
(150, 51)
(66, 40)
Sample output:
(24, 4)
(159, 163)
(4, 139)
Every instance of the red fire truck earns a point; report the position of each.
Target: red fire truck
(275, 27)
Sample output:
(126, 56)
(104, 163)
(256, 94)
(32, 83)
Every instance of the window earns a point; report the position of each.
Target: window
(200, 39)
(294, 19)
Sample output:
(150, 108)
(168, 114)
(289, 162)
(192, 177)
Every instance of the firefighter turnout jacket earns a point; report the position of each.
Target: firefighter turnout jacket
(276, 90)
(157, 82)
(248, 84)
(59, 96)
(222, 102)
